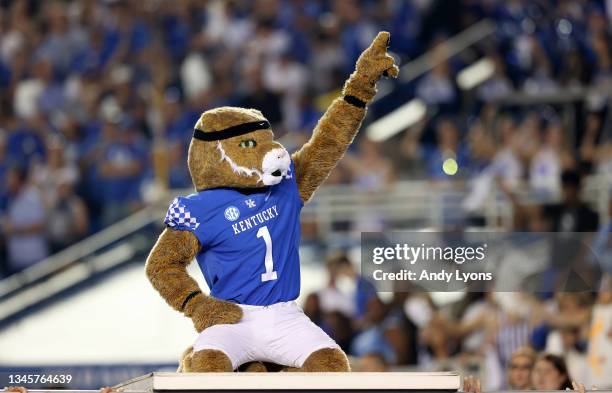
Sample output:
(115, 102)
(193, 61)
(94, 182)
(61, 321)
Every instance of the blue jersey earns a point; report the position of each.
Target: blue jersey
(249, 241)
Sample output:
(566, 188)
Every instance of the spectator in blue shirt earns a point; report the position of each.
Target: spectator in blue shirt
(120, 161)
(24, 222)
(365, 291)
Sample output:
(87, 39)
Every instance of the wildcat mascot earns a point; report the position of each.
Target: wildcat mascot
(243, 228)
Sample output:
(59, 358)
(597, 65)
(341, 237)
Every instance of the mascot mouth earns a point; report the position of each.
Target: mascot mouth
(275, 166)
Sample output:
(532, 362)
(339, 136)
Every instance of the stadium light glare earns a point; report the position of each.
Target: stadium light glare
(475, 74)
(450, 166)
(400, 119)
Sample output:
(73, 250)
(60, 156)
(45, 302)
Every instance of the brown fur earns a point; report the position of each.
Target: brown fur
(340, 123)
(186, 353)
(208, 360)
(186, 363)
(174, 250)
(330, 139)
(206, 311)
(326, 359)
(371, 65)
(205, 160)
(167, 270)
(166, 266)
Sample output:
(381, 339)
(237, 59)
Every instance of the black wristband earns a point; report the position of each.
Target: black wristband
(189, 297)
(355, 101)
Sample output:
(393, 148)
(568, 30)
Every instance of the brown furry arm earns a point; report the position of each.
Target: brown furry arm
(340, 123)
(330, 139)
(167, 266)
(166, 269)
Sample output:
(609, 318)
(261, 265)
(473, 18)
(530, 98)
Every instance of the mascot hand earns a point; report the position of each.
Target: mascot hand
(206, 311)
(373, 63)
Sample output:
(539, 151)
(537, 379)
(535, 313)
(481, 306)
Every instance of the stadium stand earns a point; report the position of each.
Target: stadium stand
(510, 110)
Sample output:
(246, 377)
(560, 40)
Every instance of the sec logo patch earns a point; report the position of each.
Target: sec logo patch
(232, 213)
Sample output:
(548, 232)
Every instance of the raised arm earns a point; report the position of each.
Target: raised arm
(339, 125)
(167, 271)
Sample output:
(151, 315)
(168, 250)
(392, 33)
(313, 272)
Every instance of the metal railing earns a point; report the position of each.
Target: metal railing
(424, 202)
(80, 250)
(417, 203)
(111, 247)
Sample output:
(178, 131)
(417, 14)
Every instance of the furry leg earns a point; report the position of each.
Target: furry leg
(326, 359)
(181, 367)
(207, 360)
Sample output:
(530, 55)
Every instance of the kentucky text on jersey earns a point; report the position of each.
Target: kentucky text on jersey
(249, 240)
(255, 220)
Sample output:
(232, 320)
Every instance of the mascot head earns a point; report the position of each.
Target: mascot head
(235, 147)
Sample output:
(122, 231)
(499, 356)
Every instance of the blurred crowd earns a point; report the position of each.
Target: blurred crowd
(510, 340)
(98, 98)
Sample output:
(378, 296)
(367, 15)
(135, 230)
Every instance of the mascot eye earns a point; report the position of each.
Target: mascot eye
(248, 143)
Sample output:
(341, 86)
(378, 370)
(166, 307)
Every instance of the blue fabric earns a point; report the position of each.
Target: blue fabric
(371, 341)
(5, 75)
(365, 291)
(539, 336)
(110, 43)
(24, 144)
(52, 99)
(232, 228)
(602, 248)
(125, 188)
(181, 128)
(177, 36)
(140, 37)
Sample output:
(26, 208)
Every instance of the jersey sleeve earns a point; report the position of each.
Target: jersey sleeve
(182, 216)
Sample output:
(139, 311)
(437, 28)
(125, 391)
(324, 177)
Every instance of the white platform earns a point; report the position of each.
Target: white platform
(293, 381)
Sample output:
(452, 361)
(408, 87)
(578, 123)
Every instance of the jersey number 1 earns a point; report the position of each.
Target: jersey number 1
(269, 274)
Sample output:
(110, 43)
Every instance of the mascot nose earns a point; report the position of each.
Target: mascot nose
(275, 165)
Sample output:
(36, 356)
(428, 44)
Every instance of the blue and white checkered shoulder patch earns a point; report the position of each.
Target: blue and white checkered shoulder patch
(179, 217)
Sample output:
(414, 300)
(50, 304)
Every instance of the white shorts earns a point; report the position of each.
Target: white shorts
(280, 333)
